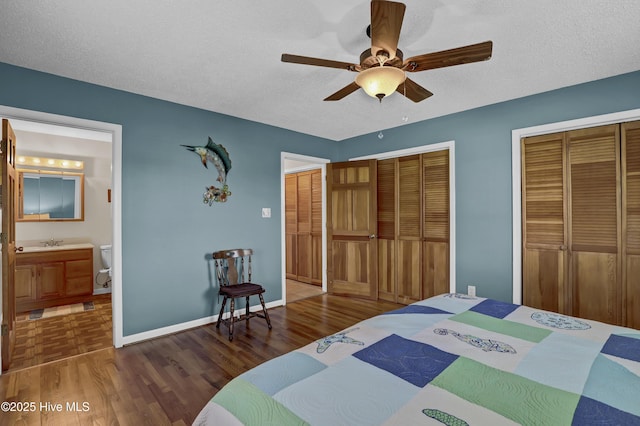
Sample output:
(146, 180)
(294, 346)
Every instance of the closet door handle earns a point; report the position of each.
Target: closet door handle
(372, 236)
(563, 248)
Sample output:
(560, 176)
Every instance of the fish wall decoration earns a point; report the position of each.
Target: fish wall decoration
(217, 155)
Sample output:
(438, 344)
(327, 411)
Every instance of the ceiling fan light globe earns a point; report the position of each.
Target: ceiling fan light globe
(379, 82)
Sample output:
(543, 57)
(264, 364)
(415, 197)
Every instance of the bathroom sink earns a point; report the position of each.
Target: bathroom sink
(32, 249)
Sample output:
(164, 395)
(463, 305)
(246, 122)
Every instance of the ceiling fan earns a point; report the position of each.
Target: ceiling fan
(382, 70)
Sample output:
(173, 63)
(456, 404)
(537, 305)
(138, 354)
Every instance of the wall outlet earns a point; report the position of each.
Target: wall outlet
(471, 290)
(266, 212)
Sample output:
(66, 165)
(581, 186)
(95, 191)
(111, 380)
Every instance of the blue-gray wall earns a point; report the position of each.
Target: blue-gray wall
(167, 231)
(483, 167)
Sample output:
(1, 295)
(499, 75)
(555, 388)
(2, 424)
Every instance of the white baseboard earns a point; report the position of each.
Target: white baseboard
(159, 332)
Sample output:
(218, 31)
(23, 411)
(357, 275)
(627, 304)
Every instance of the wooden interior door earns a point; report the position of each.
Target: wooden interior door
(435, 223)
(351, 228)
(631, 220)
(544, 229)
(8, 200)
(595, 219)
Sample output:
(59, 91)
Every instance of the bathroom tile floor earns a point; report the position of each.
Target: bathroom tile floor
(51, 339)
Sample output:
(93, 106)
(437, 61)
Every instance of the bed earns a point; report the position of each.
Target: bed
(450, 359)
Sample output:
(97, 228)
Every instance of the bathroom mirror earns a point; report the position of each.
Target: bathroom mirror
(50, 196)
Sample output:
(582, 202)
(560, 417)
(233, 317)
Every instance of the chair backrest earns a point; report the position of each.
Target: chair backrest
(233, 266)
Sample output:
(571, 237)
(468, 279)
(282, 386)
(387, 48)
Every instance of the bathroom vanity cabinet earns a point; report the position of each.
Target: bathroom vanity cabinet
(53, 277)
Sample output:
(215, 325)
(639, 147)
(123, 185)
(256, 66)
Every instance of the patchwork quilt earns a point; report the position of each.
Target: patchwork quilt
(451, 359)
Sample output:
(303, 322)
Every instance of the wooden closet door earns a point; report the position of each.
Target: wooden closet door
(387, 204)
(409, 240)
(544, 230)
(595, 218)
(631, 220)
(303, 207)
(435, 226)
(303, 226)
(316, 227)
(291, 225)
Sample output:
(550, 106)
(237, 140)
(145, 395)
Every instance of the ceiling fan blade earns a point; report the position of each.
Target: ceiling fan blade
(386, 22)
(347, 90)
(305, 60)
(447, 58)
(413, 90)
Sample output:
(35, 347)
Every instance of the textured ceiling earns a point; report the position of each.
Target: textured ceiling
(224, 56)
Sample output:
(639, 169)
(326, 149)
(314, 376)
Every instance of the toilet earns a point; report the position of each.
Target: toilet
(105, 255)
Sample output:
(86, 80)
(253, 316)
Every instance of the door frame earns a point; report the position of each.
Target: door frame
(516, 176)
(441, 146)
(311, 163)
(116, 194)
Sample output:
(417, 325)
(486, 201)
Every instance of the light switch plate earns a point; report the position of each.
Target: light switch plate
(266, 212)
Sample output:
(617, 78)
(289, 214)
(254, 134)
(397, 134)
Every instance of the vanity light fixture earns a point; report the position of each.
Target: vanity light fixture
(50, 162)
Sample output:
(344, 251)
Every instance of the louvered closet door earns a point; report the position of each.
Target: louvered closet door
(387, 229)
(594, 215)
(435, 227)
(291, 225)
(544, 234)
(304, 227)
(409, 244)
(631, 220)
(316, 227)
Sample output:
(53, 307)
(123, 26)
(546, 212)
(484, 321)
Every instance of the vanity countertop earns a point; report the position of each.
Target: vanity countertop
(33, 249)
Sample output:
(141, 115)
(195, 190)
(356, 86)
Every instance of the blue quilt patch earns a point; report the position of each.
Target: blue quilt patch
(494, 308)
(613, 384)
(623, 347)
(417, 309)
(592, 412)
(415, 362)
(294, 367)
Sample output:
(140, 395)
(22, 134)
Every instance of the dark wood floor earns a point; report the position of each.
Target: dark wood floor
(166, 381)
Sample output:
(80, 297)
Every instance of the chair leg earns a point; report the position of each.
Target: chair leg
(246, 310)
(231, 319)
(264, 309)
(224, 302)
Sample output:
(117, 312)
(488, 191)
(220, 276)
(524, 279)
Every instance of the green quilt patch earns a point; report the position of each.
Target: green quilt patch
(519, 399)
(509, 328)
(254, 407)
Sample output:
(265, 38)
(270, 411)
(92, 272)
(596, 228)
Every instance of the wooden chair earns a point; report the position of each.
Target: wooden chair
(233, 272)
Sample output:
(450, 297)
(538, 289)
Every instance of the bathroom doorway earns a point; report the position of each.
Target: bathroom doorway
(98, 145)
